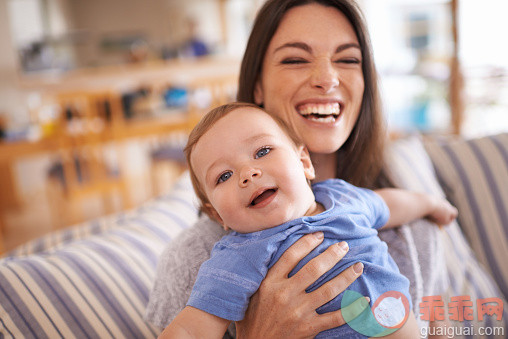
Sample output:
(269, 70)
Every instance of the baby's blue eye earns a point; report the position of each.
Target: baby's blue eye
(224, 176)
(262, 152)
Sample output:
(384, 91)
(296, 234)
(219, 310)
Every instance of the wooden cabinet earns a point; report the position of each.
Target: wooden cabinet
(92, 118)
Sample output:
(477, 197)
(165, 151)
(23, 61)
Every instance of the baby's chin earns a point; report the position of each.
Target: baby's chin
(275, 218)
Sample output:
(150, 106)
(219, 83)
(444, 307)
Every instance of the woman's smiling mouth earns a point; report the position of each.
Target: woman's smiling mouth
(322, 112)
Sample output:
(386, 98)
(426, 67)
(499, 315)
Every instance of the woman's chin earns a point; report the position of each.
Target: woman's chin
(324, 148)
(324, 142)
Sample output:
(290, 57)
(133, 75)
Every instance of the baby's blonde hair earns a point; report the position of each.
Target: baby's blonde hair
(206, 123)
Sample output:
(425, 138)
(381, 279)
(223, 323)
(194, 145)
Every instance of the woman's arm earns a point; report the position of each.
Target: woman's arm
(194, 323)
(178, 268)
(406, 206)
(282, 309)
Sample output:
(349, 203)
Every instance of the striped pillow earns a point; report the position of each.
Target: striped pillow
(92, 281)
(409, 166)
(474, 175)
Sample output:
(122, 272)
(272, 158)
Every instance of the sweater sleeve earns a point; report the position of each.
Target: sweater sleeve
(177, 270)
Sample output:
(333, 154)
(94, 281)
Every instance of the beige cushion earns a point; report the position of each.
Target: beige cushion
(474, 175)
(409, 166)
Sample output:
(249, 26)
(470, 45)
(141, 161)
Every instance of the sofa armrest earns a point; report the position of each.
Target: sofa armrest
(409, 166)
(474, 176)
(92, 281)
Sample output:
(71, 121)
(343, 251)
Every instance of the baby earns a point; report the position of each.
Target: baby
(252, 174)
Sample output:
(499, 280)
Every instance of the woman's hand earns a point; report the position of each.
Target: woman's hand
(281, 308)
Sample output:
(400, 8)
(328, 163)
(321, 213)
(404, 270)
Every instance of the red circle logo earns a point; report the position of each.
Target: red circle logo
(391, 309)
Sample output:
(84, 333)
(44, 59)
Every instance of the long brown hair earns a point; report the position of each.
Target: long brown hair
(361, 157)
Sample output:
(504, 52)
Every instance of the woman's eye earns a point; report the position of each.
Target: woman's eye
(293, 61)
(348, 61)
(224, 176)
(262, 152)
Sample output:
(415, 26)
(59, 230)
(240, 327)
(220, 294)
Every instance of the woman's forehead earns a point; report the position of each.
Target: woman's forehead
(315, 22)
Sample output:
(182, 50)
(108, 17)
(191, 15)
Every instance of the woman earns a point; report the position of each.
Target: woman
(310, 62)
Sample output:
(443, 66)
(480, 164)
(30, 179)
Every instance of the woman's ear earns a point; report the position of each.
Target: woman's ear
(258, 93)
(308, 168)
(213, 214)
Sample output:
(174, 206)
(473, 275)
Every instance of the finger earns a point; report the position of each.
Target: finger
(321, 264)
(354, 309)
(326, 321)
(335, 286)
(334, 319)
(295, 253)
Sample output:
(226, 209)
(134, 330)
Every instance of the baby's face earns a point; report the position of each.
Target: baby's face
(252, 173)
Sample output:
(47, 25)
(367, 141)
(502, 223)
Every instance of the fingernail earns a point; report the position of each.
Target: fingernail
(344, 245)
(319, 235)
(358, 267)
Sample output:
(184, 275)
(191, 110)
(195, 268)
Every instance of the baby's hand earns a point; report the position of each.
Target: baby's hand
(443, 212)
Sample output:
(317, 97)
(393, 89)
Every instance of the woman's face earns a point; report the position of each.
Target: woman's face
(312, 76)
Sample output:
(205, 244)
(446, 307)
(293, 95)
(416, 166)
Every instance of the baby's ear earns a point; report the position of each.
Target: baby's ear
(213, 214)
(308, 168)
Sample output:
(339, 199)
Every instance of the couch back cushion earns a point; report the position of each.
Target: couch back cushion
(410, 167)
(474, 175)
(94, 280)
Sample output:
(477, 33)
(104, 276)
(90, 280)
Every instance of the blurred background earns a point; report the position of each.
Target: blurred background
(97, 97)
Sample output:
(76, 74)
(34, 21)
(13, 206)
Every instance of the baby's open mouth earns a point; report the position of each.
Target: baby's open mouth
(324, 113)
(263, 196)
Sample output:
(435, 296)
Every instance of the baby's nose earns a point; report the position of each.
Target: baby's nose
(248, 174)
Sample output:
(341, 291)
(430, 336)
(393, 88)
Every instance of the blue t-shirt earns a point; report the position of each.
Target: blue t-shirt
(240, 261)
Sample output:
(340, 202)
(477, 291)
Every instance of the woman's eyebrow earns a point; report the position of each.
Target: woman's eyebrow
(300, 45)
(347, 46)
(307, 48)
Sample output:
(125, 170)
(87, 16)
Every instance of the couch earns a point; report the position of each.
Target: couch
(94, 279)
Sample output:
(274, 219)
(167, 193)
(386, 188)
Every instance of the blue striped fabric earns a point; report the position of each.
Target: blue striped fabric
(474, 174)
(92, 281)
(409, 166)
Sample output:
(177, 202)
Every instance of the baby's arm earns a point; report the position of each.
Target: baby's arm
(194, 323)
(406, 206)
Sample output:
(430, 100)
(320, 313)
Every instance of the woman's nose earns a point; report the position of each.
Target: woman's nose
(324, 76)
(247, 174)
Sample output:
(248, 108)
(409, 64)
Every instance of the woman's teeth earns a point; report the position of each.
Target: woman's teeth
(324, 113)
(318, 118)
(324, 109)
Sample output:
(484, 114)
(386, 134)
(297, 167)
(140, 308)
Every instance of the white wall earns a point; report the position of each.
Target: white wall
(163, 22)
(26, 20)
(12, 101)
